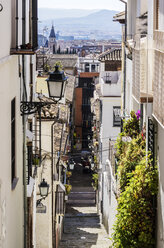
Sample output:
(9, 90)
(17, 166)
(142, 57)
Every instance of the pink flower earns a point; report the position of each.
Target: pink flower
(138, 114)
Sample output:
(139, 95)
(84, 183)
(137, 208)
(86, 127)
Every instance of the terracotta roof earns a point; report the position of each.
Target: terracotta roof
(89, 74)
(113, 54)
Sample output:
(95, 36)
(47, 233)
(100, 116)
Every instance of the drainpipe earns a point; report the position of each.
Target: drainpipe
(52, 181)
(125, 39)
(24, 123)
(17, 18)
(24, 159)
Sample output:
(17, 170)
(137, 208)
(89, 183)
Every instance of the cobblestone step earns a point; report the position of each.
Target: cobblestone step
(84, 231)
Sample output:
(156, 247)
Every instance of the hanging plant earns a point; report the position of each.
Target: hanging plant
(68, 188)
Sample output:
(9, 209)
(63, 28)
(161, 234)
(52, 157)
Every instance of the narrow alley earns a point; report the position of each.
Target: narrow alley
(82, 228)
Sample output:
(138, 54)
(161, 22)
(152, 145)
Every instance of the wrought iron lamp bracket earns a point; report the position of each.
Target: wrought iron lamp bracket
(38, 202)
(28, 108)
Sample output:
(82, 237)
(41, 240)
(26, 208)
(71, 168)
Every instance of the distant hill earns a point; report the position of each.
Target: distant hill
(100, 22)
(46, 13)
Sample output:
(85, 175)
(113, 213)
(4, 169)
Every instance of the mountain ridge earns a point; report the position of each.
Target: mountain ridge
(100, 22)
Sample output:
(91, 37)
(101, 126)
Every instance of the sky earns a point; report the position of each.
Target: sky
(84, 4)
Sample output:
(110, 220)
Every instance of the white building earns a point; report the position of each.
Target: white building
(17, 75)
(144, 76)
(108, 91)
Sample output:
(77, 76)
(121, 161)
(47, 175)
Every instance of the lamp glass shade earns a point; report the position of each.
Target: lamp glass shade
(55, 89)
(44, 188)
(56, 83)
(92, 165)
(71, 166)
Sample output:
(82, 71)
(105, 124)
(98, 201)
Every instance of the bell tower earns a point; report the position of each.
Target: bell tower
(52, 44)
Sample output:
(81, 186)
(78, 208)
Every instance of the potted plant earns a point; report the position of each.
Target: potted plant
(68, 188)
(35, 161)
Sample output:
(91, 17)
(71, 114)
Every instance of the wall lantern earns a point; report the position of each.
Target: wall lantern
(44, 188)
(71, 165)
(92, 165)
(56, 87)
(56, 83)
(90, 145)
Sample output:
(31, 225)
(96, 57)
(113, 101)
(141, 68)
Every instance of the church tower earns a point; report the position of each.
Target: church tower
(52, 44)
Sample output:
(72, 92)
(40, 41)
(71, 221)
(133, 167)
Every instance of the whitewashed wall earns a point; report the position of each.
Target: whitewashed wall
(160, 211)
(11, 201)
(44, 220)
(107, 129)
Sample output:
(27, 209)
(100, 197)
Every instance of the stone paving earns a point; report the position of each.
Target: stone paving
(82, 228)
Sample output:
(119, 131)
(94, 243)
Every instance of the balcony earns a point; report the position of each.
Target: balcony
(158, 106)
(142, 70)
(24, 39)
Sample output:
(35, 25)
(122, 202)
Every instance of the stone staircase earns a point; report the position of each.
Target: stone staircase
(83, 198)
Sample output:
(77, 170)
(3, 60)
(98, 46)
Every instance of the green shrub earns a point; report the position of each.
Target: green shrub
(138, 186)
(95, 181)
(135, 222)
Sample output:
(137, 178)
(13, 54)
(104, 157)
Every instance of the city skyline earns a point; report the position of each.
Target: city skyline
(73, 4)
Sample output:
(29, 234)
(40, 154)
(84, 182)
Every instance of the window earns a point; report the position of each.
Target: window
(116, 116)
(107, 78)
(93, 68)
(13, 145)
(87, 67)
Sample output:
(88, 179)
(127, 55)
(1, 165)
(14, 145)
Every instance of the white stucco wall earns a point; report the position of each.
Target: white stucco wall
(11, 201)
(107, 129)
(44, 220)
(109, 199)
(160, 206)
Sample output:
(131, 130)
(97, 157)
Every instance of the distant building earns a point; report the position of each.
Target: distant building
(52, 44)
(88, 69)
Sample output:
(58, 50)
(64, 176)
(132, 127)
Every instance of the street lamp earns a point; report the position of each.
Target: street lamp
(43, 188)
(71, 165)
(56, 87)
(56, 83)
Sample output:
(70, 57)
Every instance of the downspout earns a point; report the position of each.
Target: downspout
(24, 123)
(17, 18)
(52, 183)
(24, 159)
(125, 39)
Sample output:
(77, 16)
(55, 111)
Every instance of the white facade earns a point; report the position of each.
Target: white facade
(44, 220)
(88, 64)
(109, 91)
(152, 85)
(12, 74)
